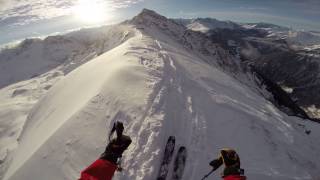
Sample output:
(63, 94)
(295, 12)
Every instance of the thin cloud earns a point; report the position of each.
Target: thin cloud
(253, 8)
(277, 19)
(47, 9)
(314, 2)
(312, 6)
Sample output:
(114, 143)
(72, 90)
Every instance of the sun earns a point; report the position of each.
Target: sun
(92, 11)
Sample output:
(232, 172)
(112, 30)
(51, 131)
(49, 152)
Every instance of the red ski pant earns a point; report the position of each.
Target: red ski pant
(234, 177)
(99, 170)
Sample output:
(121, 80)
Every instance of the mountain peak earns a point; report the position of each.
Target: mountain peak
(147, 16)
(148, 11)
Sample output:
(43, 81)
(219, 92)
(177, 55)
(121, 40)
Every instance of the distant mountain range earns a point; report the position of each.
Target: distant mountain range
(287, 57)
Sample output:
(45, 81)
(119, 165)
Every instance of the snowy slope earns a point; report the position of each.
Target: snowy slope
(16, 101)
(31, 68)
(159, 87)
(34, 57)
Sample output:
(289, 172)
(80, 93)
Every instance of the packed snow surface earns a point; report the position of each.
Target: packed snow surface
(158, 88)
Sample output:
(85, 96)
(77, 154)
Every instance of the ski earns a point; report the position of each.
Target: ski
(168, 153)
(179, 163)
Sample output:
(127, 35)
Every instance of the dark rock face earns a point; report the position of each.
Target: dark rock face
(298, 70)
(280, 97)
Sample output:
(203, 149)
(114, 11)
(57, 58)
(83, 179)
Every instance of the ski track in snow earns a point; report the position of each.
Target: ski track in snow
(159, 88)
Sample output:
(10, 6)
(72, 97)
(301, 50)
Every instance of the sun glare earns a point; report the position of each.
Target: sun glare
(92, 11)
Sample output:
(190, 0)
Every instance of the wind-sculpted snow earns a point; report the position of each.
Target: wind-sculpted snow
(16, 102)
(34, 57)
(160, 87)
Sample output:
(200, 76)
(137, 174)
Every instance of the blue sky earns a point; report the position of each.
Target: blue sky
(20, 19)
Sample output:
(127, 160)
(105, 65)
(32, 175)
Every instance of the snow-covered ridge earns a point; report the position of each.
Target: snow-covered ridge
(266, 26)
(206, 24)
(298, 37)
(196, 42)
(162, 80)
